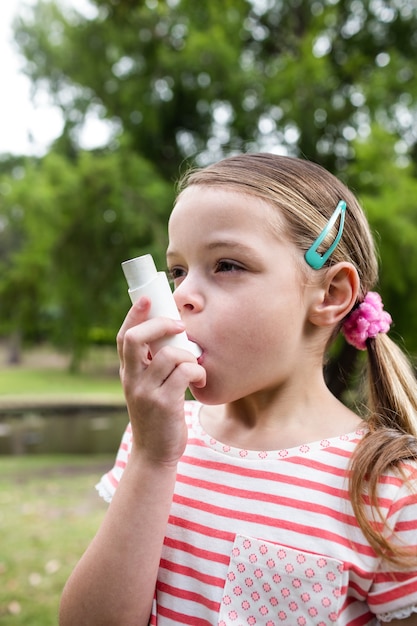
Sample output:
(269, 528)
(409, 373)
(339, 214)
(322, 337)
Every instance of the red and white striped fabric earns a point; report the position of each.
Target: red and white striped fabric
(268, 538)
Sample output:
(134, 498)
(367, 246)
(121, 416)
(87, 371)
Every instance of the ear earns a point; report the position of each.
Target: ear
(336, 295)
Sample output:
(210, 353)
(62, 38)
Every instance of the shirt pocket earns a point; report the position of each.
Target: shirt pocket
(268, 584)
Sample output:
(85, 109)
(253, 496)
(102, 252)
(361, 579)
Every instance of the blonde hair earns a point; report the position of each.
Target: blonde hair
(306, 195)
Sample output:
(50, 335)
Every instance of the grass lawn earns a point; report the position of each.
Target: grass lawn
(44, 372)
(49, 511)
(49, 381)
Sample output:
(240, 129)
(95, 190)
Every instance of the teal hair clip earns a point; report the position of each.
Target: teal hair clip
(314, 258)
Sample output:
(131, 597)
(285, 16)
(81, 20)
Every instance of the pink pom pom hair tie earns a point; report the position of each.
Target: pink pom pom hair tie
(366, 321)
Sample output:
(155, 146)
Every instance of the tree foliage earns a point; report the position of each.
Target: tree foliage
(178, 82)
(183, 78)
(73, 222)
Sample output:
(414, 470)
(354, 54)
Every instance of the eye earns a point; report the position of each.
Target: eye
(228, 266)
(176, 273)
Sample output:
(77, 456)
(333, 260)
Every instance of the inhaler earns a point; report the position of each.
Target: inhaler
(143, 279)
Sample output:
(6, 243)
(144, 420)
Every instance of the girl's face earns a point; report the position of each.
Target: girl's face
(240, 293)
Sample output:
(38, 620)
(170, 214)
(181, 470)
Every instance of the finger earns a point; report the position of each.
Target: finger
(137, 314)
(134, 344)
(168, 358)
(181, 377)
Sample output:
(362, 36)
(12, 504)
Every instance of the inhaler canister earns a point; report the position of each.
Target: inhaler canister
(143, 279)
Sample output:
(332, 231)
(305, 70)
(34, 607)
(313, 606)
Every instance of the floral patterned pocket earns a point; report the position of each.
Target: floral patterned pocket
(268, 584)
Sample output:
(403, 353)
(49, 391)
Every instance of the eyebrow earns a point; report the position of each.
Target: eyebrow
(223, 243)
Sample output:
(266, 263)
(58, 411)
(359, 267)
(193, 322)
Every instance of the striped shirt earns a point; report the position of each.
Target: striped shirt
(268, 538)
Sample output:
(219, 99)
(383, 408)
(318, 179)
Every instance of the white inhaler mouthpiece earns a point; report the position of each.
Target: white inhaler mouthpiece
(143, 279)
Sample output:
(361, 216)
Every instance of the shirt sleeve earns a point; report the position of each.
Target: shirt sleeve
(394, 592)
(109, 481)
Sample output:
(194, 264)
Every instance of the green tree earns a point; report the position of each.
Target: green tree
(26, 238)
(68, 225)
(115, 215)
(182, 78)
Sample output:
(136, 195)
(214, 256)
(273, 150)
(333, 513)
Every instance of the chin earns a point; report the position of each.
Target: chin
(204, 395)
(208, 395)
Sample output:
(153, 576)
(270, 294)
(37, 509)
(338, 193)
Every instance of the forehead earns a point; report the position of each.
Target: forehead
(207, 208)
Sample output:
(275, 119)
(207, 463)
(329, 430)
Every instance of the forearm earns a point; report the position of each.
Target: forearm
(114, 582)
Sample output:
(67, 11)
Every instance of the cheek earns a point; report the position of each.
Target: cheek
(250, 325)
(236, 324)
(262, 336)
(246, 336)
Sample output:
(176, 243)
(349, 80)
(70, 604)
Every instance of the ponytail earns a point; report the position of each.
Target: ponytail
(390, 441)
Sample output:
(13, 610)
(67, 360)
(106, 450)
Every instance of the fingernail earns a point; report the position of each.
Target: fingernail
(141, 303)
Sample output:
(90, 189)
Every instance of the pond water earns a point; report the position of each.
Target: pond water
(72, 430)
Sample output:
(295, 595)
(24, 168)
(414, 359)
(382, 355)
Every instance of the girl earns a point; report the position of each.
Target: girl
(265, 500)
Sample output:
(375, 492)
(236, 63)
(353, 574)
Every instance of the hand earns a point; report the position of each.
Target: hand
(154, 387)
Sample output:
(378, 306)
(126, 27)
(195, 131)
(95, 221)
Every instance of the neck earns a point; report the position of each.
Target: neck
(278, 418)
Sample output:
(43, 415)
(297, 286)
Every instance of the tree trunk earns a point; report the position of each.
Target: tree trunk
(14, 351)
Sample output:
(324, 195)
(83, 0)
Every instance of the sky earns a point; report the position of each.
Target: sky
(25, 128)
(28, 126)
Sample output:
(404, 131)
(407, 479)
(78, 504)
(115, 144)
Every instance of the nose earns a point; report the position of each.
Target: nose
(188, 296)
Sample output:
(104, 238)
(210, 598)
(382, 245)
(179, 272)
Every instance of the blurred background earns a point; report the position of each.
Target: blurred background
(104, 103)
